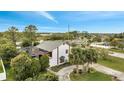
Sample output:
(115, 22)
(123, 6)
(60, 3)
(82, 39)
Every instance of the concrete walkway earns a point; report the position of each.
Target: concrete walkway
(65, 72)
(115, 54)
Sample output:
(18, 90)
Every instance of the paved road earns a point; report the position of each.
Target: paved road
(109, 71)
(115, 54)
(65, 72)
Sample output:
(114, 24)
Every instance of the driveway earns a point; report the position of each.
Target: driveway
(115, 54)
(109, 71)
(65, 72)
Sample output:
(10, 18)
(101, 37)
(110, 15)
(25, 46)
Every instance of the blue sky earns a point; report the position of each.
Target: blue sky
(57, 21)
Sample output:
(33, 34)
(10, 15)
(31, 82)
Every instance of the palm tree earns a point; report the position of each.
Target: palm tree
(75, 57)
(83, 58)
(91, 57)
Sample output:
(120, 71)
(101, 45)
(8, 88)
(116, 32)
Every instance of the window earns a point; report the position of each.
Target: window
(62, 59)
(66, 51)
(50, 54)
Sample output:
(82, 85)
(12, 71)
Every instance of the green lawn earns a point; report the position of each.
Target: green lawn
(57, 68)
(113, 62)
(96, 76)
(1, 68)
(117, 50)
(9, 75)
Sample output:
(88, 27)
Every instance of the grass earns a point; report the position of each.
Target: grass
(57, 68)
(1, 68)
(117, 50)
(9, 74)
(96, 76)
(113, 62)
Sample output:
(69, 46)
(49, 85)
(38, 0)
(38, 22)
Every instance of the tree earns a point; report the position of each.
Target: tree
(21, 65)
(12, 33)
(26, 43)
(36, 43)
(97, 39)
(91, 57)
(30, 33)
(44, 62)
(7, 50)
(75, 57)
(24, 66)
(102, 53)
(35, 67)
(114, 43)
(83, 56)
(121, 45)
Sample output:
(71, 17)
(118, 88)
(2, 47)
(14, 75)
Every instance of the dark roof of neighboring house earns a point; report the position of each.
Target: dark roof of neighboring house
(35, 51)
(49, 45)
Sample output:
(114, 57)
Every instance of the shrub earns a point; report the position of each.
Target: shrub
(92, 70)
(26, 43)
(75, 70)
(80, 71)
(51, 77)
(36, 43)
(44, 62)
(24, 66)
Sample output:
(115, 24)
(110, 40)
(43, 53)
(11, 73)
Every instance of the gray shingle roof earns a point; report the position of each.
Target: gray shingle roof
(49, 45)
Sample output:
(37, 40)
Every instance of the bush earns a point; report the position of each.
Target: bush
(75, 70)
(24, 66)
(92, 70)
(80, 71)
(29, 79)
(46, 77)
(26, 43)
(44, 62)
(36, 43)
(51, 77)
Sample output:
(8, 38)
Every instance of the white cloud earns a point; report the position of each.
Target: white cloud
(48, 16)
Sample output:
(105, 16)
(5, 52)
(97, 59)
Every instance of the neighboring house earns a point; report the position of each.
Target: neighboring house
(18, 45)
(100, 45)
(57, 50)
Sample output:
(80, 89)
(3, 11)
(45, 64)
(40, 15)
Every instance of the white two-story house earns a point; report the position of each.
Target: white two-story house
(58, 51)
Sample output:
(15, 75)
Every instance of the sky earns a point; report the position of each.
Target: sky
(57, 21)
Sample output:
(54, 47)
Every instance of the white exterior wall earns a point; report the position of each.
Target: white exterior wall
(53, 59)
(62, 52)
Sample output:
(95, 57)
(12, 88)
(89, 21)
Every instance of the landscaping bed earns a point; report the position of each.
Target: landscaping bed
(96, 76)
(57, 68)
(113, 62)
